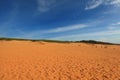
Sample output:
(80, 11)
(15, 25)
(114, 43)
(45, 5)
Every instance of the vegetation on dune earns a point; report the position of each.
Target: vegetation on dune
(95, 42)
(34, 40)
(10, 39)
(58, 41)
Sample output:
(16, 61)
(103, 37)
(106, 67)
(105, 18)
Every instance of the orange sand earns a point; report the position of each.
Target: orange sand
(25, 60)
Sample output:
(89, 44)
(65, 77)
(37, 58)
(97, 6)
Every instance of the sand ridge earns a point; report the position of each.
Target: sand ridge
(26, 60)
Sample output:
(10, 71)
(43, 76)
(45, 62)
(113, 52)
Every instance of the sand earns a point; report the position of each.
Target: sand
(25, 60)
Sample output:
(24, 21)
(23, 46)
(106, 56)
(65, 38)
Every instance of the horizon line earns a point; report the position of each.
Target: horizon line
(60, 41)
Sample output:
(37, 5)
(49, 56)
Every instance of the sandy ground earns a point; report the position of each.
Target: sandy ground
(25, 60)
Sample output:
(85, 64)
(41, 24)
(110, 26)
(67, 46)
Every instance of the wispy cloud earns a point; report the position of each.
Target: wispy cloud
(55, 30)
(114, 26)
(60, 30)
(66, 28)
(88, 35)
(93, 4)
(96, 3)
(113, 2)
(45, 5)
(118, 23)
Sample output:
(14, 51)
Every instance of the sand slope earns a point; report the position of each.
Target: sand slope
(24, 60)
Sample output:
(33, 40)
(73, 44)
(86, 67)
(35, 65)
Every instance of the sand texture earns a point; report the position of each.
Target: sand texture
(25, 60)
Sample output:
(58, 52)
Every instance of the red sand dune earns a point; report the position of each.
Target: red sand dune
(25, 60)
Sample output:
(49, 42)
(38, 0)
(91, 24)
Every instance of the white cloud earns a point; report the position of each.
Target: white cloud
(66, 28)
(96, 3)
(113, 2)
(116, 24)
(93, 4)
(55, 30)
(88, 35)
(45, 5)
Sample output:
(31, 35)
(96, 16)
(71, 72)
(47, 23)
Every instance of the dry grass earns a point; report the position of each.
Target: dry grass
(24, 60)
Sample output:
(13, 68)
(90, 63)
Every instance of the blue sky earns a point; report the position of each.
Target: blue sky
(61, 19)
